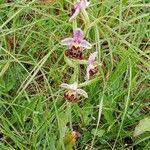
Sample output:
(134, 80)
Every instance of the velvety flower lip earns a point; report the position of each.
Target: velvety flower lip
(74, 88)
(79, 6)
(77, 40)
(92, 65)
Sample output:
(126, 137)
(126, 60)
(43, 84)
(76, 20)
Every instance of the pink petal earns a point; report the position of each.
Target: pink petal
(86, 44)
(74, 15)
(67, 41)
(92, 58)
(78, 7)
(78, 35)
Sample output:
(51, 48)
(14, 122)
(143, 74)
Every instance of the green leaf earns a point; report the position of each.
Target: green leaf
(99, 132)
(143, 126)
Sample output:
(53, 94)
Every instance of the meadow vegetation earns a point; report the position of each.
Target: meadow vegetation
(33, 112)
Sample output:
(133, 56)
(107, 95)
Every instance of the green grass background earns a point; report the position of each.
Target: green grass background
(33, 113)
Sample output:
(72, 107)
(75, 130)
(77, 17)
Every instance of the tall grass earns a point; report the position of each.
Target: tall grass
(33, 112)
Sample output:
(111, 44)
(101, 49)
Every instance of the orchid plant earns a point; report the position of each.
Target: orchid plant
(74, 55)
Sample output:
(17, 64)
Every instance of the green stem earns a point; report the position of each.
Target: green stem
(74, 77)
(86, 19)
(77, 73)
(74, 24)
(69, 114)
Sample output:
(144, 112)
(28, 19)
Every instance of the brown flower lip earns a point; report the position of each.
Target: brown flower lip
(73, 93)
(75, 53)
(71, 96)
(93, 71)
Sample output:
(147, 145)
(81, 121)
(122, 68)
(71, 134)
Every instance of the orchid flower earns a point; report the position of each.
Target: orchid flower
(79, 6)
(70, 139)
(77, 40)
(92, 65)
(73, 92)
